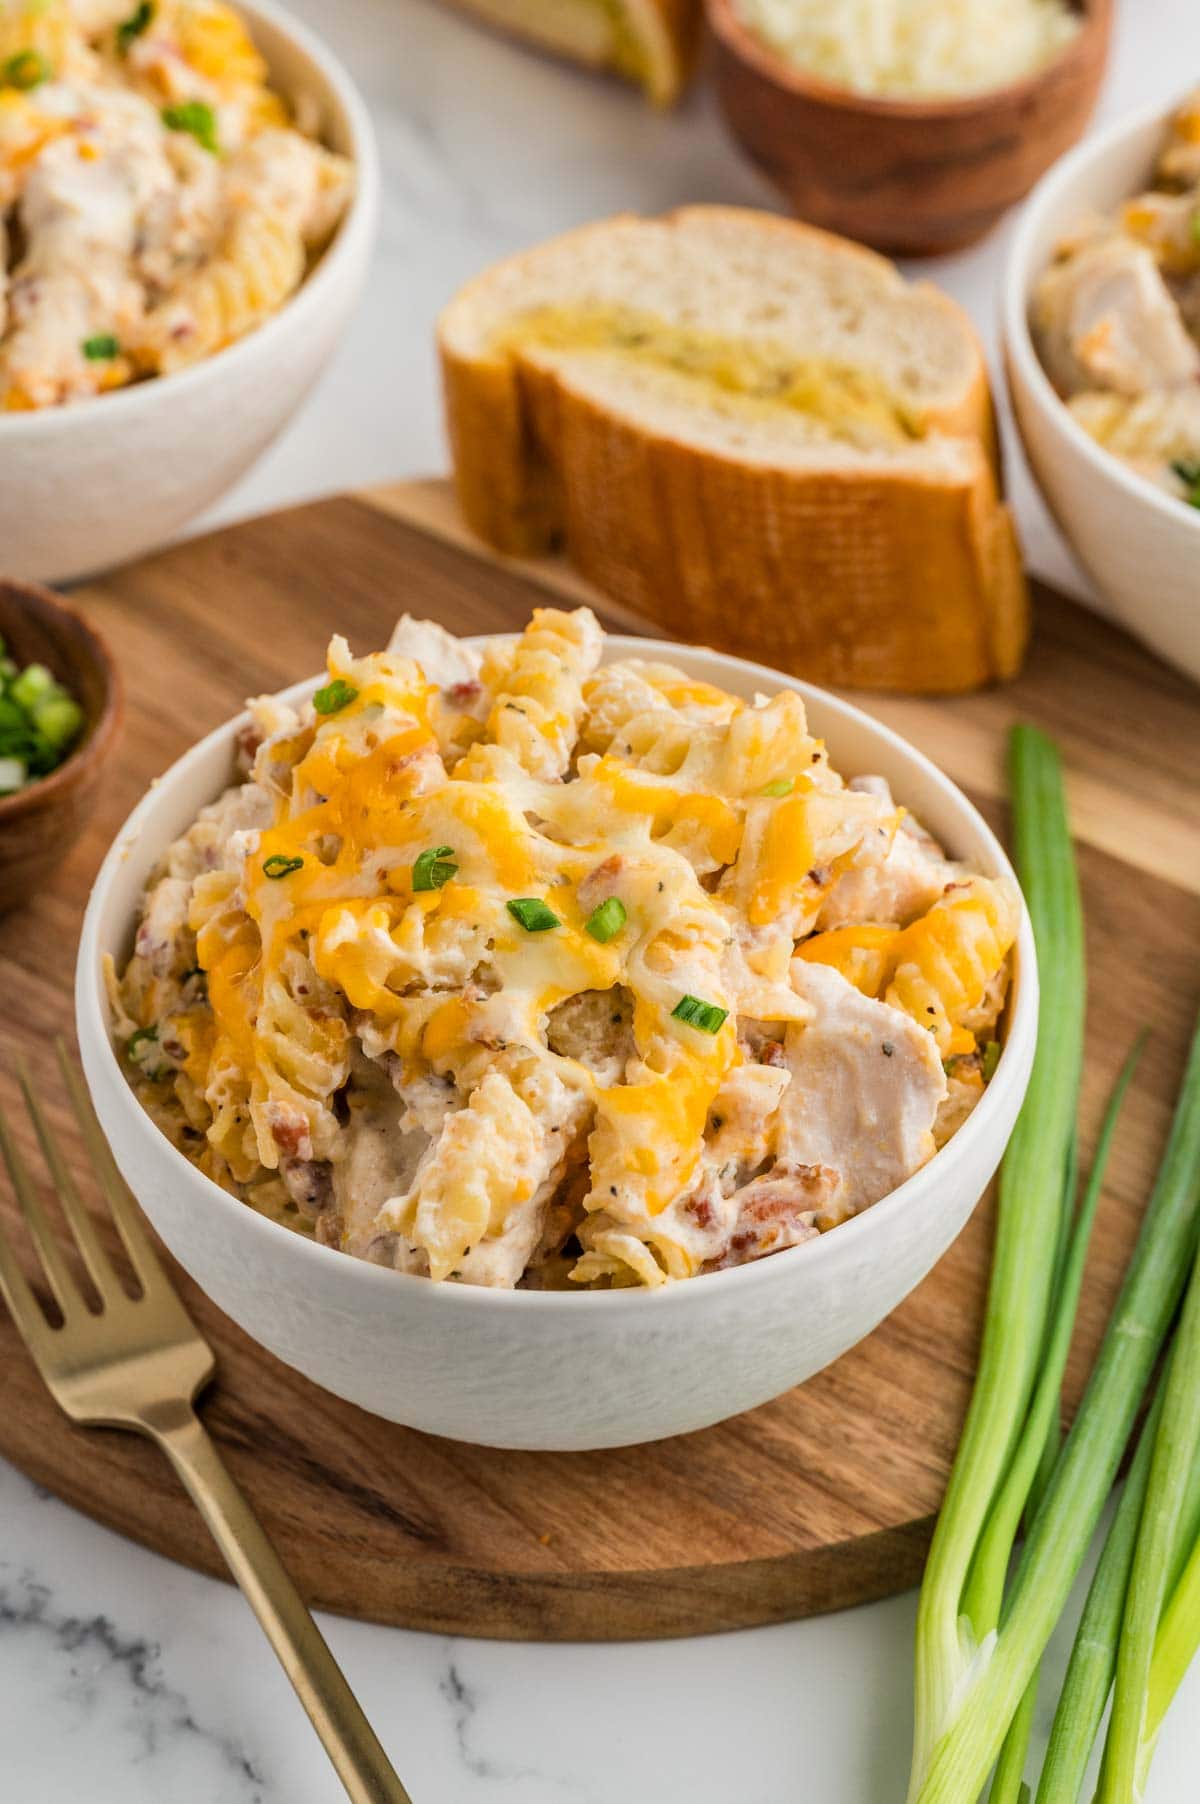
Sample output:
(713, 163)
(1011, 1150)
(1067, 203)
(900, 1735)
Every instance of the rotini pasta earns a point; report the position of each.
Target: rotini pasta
(514, 970)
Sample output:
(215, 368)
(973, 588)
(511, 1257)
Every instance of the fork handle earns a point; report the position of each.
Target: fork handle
(318, 1680)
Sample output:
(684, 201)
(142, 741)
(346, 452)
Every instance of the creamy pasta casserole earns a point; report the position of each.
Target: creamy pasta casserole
(1117, 320)
(520, 968)
(157, 199)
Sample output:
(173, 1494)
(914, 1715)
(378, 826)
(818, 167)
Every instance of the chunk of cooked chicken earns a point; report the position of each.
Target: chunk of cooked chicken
(913, 873)
(866, 1085)
(1105, 318)
(383, 1147)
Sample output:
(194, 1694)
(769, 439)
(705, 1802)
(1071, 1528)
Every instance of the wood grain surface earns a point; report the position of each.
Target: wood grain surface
(821, 1499)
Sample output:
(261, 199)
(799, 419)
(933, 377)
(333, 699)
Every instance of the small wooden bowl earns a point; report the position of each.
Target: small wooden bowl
(39, 824)
(911, 177)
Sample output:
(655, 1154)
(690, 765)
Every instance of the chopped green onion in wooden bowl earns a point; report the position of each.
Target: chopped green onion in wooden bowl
(40, 722)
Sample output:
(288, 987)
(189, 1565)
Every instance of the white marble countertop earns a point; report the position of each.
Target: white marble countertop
(125, 1680)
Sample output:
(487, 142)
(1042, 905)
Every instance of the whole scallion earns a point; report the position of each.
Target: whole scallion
(1094, 1654)
(1087, 1466)
(1031, 1208)
(1027, 1477)
(980, 1638)
(1177, 1438)
(1178, 1637)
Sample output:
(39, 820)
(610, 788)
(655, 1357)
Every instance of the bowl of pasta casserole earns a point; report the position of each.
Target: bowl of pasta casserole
(190, 193)
(1101, 313)
(554, 1041)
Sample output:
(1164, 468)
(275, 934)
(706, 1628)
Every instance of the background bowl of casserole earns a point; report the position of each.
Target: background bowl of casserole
(547, 1369)
(1140, 545)
(88, 485)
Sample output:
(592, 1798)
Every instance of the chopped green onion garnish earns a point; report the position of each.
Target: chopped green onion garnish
(101, 348)
(278, 865)
(196, 117)
(334, 696)
(38, 722)
(782, 786)
(27, 69)
(15, 724)
(533, 914)
(144, 1036)
(134, 26)
(607, 920)
(991, 1058)
(34, 682)
(698, 1013)
(58, 719)
(1188, 471)
(431, 870)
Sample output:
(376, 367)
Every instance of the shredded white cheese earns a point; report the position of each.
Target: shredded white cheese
(914, 47)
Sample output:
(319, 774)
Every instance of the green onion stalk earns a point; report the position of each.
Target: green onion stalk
(1132, 1734)
(1085, 1470)
(1028, 1476)
(1177, 1640)
(1094, 1653)
(951, 1650)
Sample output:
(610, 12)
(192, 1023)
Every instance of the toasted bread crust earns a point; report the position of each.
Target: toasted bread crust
(870, 575)
(665, 32)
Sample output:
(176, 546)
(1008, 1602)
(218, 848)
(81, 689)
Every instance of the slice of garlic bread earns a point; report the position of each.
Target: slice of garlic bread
(750, 431)
(652, 42)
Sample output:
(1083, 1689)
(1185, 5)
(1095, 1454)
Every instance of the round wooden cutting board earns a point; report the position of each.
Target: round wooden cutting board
(821, 1499)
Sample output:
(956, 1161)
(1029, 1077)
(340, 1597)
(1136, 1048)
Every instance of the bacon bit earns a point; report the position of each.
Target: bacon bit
(248, 741)
(289, 1129)
(598, 884)
(773, 1054)
(460, 694)
(820, 875)
(702, 1210)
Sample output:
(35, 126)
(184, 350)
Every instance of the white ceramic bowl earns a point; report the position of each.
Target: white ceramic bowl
(1140, 546)
(543, 1369)
(86, 486)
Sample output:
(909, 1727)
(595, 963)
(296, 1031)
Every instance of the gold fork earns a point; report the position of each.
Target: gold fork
(140, 1364)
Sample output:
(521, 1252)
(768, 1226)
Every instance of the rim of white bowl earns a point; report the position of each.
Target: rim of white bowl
(357, 226)
(1018, 284)
(1012, 1069)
